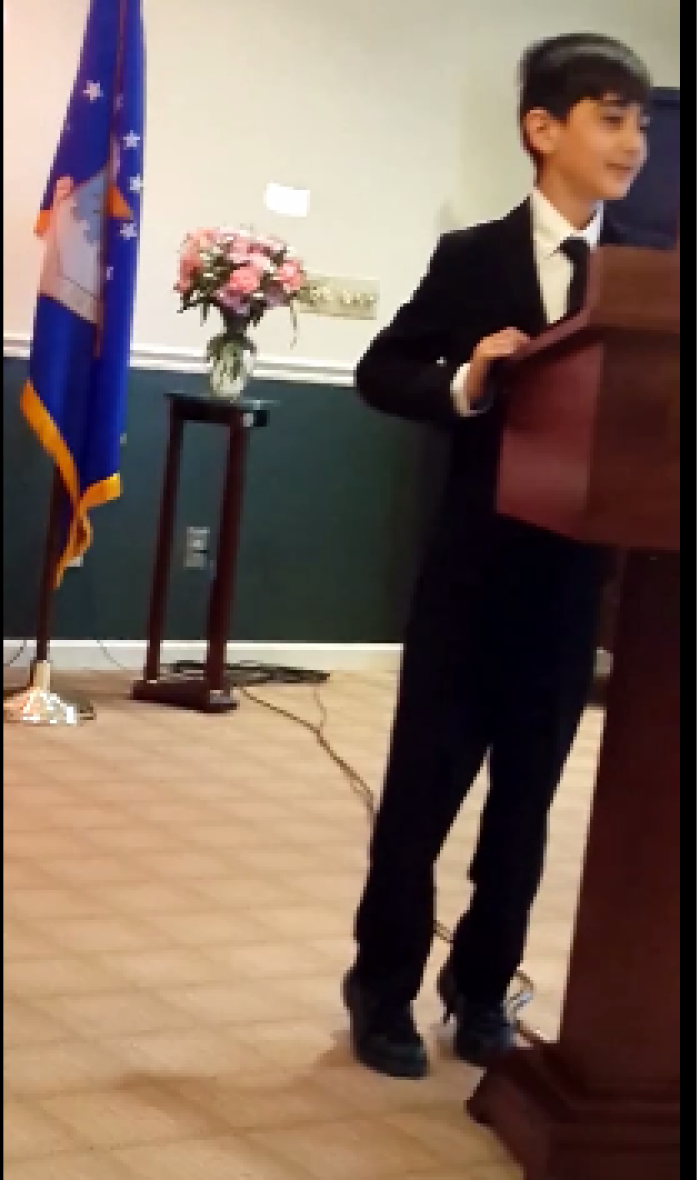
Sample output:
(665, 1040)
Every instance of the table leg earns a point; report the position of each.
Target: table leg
(166, 529)
(220, 599)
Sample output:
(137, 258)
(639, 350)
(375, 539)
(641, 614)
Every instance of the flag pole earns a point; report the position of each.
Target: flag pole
(48, 575)
(37, 704)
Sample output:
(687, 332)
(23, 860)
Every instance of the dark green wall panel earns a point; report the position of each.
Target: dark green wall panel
(337, 499)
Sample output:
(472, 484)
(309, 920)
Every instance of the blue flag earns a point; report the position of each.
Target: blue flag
(74, 399)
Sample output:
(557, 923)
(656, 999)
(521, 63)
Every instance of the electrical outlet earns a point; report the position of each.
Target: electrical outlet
(350, 299)
(196, 548)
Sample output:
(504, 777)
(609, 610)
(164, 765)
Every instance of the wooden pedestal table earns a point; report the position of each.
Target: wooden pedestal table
(208, 692)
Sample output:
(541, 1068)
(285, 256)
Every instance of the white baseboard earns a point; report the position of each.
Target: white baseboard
(170, 359)
(87, 655)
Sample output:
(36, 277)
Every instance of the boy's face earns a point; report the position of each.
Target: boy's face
(597, 151)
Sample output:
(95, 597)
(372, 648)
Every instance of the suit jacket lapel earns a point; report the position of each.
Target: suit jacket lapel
(520, 269)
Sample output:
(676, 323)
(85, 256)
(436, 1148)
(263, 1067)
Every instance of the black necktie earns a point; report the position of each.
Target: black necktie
(577, 251)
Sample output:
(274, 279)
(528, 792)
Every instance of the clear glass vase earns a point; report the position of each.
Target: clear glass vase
(232, 367)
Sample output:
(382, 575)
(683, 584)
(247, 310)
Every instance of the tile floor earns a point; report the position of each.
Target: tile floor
(179, 893)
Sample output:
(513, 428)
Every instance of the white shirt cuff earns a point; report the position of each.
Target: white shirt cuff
(461, 402)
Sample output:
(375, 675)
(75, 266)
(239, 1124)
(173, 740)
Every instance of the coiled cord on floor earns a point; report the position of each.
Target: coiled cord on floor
(244, 673)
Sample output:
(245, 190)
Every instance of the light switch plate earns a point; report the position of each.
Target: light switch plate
(350, 299)
(196, 548)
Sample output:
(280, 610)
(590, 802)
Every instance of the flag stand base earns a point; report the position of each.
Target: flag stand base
(37, 705)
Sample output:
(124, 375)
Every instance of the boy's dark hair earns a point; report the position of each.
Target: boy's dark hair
(558, 73)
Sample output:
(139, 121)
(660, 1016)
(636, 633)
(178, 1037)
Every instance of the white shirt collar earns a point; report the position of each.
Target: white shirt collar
(550, 228)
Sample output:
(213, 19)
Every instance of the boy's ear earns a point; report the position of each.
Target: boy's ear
(540, 131)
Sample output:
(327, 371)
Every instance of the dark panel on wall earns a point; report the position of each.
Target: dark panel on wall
(651, 209)
(337, 500)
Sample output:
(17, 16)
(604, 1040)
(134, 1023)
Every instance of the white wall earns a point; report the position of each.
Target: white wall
(397, 114)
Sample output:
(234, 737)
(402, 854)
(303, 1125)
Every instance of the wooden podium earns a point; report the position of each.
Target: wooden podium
(592, 451)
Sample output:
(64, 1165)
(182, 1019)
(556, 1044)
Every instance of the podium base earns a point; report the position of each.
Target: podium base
(557, 1131)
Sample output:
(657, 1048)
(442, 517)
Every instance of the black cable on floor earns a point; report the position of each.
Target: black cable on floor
(13, 659)
(356, 781)
(112, 659)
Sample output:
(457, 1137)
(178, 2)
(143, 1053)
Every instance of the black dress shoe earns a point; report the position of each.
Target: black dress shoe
(483, 1032)
(384, 1038)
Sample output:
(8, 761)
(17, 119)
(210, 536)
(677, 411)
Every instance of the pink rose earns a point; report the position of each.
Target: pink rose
(204, 239)
(189, 265)
(260, 261)
(240, 243)
(182, 286)
(244, 280)
(290, 276)
(238, 249)
(190, 260)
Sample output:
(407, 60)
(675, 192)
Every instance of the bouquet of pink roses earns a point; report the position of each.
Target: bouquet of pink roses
(242, 275)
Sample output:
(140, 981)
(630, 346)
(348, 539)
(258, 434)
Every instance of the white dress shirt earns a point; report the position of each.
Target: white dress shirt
(554, 271)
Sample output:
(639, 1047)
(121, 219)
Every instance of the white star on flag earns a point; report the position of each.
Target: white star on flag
(92, 91)
(131, 139)
(128, 231)
(135, 184)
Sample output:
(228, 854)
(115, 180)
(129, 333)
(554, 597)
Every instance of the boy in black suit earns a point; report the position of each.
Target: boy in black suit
(500, 644)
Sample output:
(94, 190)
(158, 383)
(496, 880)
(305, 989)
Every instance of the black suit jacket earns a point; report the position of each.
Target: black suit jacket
(479, 281)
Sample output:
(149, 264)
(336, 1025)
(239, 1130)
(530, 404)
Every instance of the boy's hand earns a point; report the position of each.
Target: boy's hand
(491, 348)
